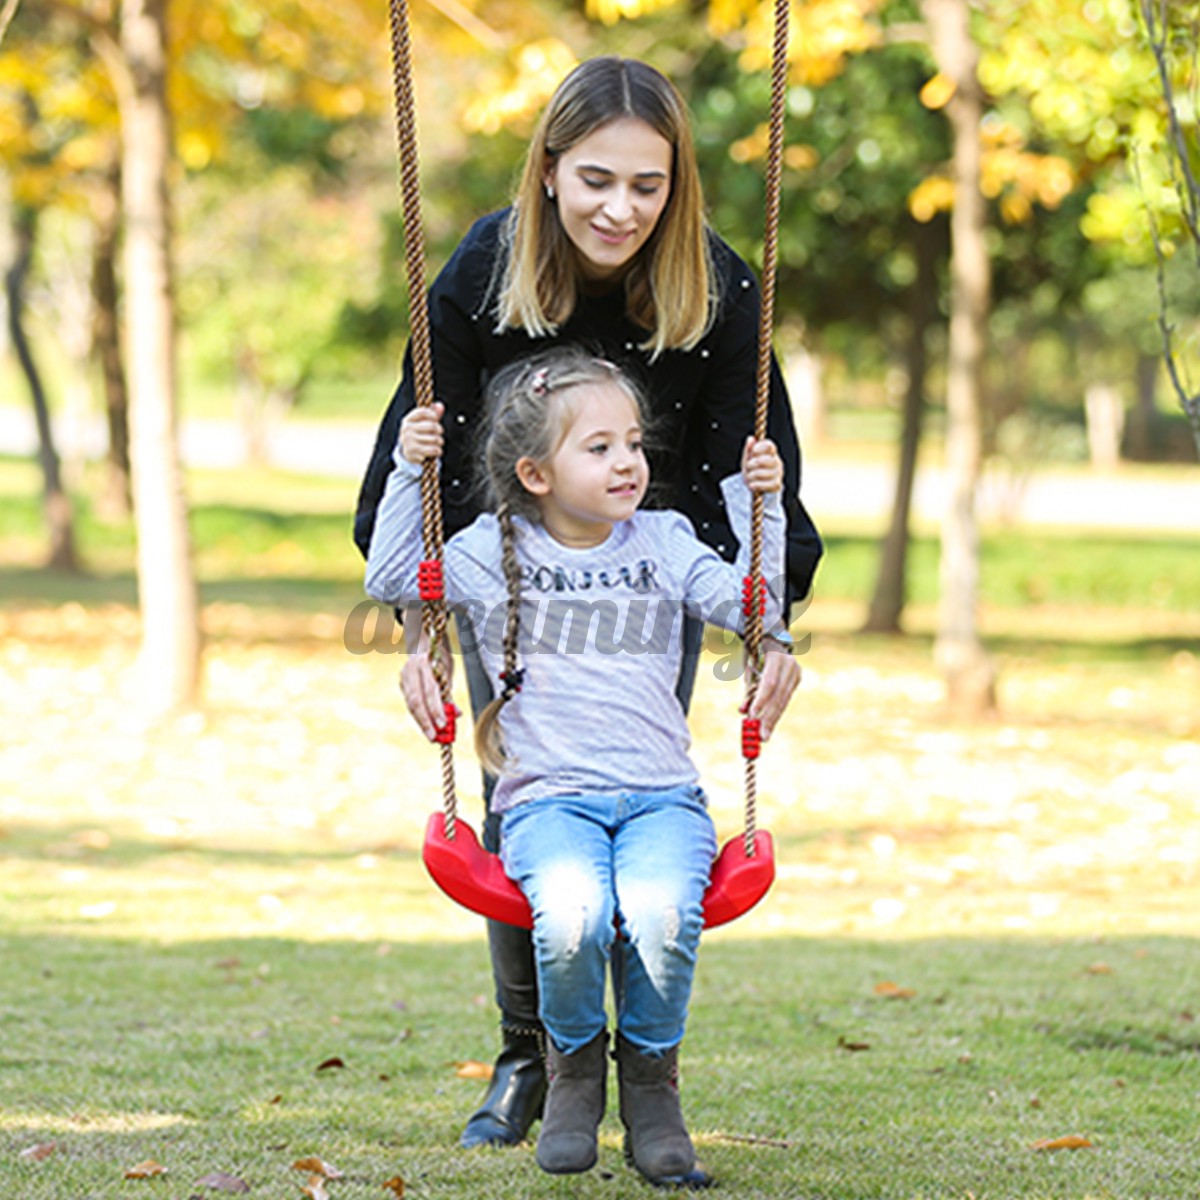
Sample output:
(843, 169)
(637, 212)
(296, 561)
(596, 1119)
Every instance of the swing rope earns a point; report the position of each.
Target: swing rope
(754, 598)
(434, 614)
(434, 618)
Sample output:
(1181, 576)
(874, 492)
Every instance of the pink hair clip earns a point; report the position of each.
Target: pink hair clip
(537, 385)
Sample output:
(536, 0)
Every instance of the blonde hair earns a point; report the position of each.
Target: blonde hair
(530, 405)
(670, 288)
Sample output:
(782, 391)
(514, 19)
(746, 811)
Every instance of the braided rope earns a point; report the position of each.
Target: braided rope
(434, 618)
(774, 174)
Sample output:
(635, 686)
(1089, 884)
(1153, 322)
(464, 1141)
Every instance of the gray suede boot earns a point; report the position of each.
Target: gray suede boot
(656, 1139)
(566, 1143)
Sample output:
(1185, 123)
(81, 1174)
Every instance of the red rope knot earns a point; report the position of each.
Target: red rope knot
(445, 735)
(748, 596)
(751, 737)
(430, 581)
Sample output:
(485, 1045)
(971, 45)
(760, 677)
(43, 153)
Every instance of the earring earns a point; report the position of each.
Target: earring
(550, 192)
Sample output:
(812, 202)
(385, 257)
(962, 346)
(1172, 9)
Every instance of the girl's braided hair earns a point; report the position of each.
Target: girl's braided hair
(529, 406)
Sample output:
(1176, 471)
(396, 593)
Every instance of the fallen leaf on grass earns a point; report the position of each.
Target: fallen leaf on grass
(315, 1188)
(331, 1064)
(471, 1069)
(38, 1153)
(396, 1185)
(893, 991)
(221, 1181)
(317, 1166)
(846, 1044)
(1072, 1141)
(146, 1170)
(1098, 968)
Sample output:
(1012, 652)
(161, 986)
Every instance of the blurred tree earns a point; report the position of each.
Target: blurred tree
(1078, 81)
(965, 664)
(68, 161)
(860, 274)
(117, 498)
(167, 591)
(60, 523)
(1173, 33)
(35, 145)
(232, 53)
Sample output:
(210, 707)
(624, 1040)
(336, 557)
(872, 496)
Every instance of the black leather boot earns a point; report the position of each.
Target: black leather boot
(517, 1089)
(567, 1142)
(515, 1094)
(656, 1139)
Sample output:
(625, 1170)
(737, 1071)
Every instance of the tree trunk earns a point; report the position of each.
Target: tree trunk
(1143, 417)
(106, 343)
(960, 654)
(60, 522)
(891, 585)
(170, 650)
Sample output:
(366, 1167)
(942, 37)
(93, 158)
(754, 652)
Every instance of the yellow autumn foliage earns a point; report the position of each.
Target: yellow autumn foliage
(536, 72)
(609, 12)
(937, 91)
(930, 197)
(823, 34)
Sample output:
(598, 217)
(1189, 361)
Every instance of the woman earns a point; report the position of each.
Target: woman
(605, 246)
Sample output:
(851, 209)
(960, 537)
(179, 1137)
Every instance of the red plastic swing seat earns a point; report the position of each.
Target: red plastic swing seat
(474, 878)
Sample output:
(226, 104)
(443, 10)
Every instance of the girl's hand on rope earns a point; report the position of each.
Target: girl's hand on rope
(762, 468)
(421, 434)
(419, 687)
(779, 679)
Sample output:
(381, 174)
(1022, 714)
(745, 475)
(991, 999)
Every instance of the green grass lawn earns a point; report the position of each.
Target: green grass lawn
(982, 936)
(155, 1004)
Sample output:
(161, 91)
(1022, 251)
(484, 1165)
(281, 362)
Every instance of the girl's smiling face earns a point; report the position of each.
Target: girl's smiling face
(598, 473)
(611, 190)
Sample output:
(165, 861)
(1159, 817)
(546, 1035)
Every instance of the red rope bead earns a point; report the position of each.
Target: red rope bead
(430, 582)
(748, 596)
(751, 737)
(445, 735)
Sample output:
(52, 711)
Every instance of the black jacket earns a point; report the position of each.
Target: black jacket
(702, 399)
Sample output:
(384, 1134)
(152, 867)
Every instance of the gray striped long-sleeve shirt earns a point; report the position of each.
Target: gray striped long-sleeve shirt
(600, 632)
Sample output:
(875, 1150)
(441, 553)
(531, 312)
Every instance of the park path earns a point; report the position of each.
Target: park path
(1132, 498)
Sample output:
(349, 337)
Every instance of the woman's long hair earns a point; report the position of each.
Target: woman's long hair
(669, 288)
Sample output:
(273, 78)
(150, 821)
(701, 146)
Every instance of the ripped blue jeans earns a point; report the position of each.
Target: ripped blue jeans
(591, 866)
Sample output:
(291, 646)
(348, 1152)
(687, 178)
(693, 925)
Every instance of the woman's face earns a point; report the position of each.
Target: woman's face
(611, 190)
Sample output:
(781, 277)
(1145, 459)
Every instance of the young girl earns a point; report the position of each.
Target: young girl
(575, 599)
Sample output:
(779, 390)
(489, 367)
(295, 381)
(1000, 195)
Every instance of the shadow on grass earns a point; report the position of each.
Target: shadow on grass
(800, 1078)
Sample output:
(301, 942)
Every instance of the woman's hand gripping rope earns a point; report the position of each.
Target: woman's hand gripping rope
(762, 470)
(421, 437)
